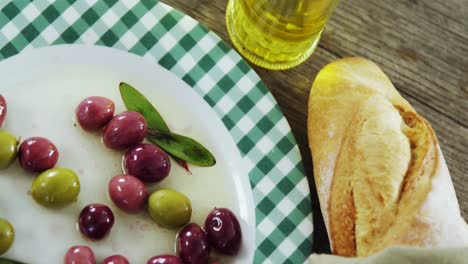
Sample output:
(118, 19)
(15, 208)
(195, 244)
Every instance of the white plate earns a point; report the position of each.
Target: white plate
(42, 88)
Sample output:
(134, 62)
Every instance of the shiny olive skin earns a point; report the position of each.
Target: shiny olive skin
(8, 149)
(147, 162)
(169, 208)
(224, 231)
(7, 235)
(80, 255)
(56, 187)
(3, 109)
(165, 259)
(96, 221)
(37, 154)
(116, 259)
(128, 193)
(124, 130)
(94, 112)
(192, 245)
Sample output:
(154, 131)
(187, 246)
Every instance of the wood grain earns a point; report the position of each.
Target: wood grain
(421, 45)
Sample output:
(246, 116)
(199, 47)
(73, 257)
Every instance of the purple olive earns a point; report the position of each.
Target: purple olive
(96, 221)
(224, 232)
(147, 162)
(116, 259)
(37, 154)
(127, 192)
(94, 112)
(124, 130)
(80, 255)
(165, 259)
(3, 109)
(192, 245)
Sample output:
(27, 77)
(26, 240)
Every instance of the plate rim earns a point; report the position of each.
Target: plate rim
(74, 56)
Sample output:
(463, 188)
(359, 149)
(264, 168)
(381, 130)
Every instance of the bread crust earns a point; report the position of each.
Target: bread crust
(378, 168)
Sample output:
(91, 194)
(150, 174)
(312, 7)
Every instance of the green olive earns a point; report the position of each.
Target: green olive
(7, 235)
(169, 208)
(56, 187)
(8, 149)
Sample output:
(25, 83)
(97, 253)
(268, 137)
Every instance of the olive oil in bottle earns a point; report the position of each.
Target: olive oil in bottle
(277, 34)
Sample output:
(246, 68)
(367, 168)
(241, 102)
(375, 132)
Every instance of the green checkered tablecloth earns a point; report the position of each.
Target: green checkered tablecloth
(215, 71)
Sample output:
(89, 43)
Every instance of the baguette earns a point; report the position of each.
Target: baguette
(380, 175)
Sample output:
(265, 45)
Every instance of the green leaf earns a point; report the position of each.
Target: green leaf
(178, 146)
(183, 148)
(9, 261)
(135, 101)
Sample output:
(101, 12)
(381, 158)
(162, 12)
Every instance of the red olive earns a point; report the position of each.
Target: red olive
(147, 162)
(165, 259)
(37, 154)
(96, 221)
(116, 259)
(3, 109)
(94, 112)
(125, 130)
(127, 192)
(192, 245)
(80, 255)
(224, 232)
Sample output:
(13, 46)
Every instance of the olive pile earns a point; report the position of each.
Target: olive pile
(147, 163)
(221, 233)
(54, 187)
(7, 156)
(142, 163)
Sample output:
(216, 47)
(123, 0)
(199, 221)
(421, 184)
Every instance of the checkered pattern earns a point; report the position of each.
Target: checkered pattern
(215, 71)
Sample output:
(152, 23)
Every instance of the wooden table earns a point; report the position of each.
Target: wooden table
(421, 45)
